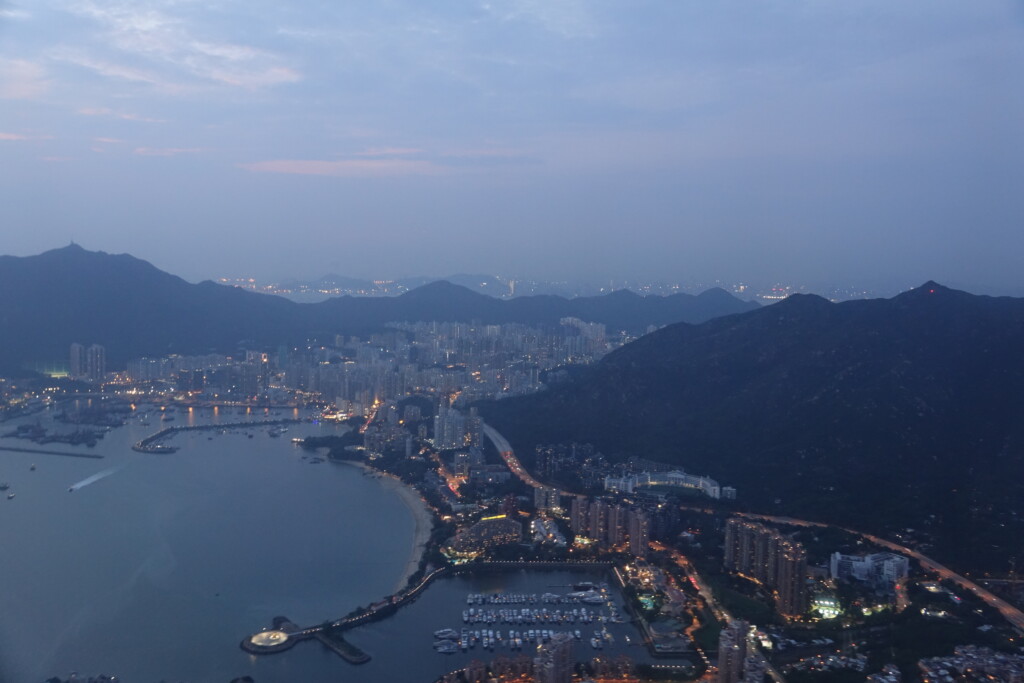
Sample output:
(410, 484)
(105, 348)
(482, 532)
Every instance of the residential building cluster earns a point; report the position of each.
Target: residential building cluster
(87, 363)
(357, 374)
(489, 532)
(970, 663)
(611, 525)
(212, 376)
(767, 556)
(468, 361)
(830, 663)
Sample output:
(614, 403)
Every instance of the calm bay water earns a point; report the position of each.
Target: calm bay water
(156, 571)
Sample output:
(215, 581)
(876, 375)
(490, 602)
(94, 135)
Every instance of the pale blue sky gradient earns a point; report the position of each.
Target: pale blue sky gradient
(861, 141)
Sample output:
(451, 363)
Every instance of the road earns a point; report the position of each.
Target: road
(508, 455)
(1009, 612)
(720, 612)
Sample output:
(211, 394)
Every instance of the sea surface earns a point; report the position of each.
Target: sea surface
(157, 565)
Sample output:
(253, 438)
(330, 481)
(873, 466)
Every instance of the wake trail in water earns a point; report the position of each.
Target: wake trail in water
(94, 478)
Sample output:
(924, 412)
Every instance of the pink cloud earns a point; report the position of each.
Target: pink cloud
(348, 168)
(22, 80)
(12, 136)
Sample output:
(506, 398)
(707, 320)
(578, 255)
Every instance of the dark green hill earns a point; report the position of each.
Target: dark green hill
(875, 413)
(133, 309)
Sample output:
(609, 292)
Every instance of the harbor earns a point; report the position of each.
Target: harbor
(479, 611)
(532, 619)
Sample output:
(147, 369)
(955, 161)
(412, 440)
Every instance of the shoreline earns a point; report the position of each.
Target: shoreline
(423, 519)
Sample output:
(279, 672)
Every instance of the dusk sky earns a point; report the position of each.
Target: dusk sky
(861, 142)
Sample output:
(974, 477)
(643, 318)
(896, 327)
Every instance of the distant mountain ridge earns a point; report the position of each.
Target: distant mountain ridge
(134, 309)
(885, 413)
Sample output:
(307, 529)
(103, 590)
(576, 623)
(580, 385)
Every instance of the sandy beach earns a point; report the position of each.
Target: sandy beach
(422, 518)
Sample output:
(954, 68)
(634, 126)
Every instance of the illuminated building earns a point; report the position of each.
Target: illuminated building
(791, 580)
(545, 498)
(487, 533)
(881, 570)
(96, 362)
(639, 532)
(765, 555)
(676, 478)
(579, 516)
(617, 525)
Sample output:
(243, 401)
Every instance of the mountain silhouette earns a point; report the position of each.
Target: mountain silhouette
(134, 309)
(880, 414)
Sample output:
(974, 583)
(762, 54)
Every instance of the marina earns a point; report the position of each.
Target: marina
(537, 618)
(430, 630)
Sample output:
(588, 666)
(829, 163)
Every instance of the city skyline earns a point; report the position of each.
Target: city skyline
(868, 143)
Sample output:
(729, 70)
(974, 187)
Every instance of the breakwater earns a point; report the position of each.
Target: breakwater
(151, 444)
(279, 639)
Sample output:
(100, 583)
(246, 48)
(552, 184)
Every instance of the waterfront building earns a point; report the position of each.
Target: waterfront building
(96, 362)
(639, 532)
(77, 362)
(617, 528)
(476, 672)
(487, 533)
(579, 516)
(598, 523)
(554, 661)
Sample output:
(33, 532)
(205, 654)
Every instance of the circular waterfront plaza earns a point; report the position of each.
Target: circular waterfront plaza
(266, 642)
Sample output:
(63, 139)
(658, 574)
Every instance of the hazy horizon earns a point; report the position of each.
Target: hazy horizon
(870, 144)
